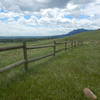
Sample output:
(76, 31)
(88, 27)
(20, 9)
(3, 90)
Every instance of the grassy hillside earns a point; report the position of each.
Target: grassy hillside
(87, 36)
(62, 77)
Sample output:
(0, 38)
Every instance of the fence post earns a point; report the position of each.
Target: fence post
(65, 45)
(78, 43)
(71, 43)
(25, 56)
(81, 42)
(54, 48)
(75, 43)
(68, 45)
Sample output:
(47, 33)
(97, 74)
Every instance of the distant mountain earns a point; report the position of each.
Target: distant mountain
(71, 33)
(19, 37)
(41, 37)
(77, 31)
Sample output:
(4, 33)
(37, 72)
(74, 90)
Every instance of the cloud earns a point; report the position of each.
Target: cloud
(43, 1)
(23, 30)
(71, 6)
(10, 14)
(36, 5)
(31, 5)
(82, 2)
(47, 17)
(92, 9)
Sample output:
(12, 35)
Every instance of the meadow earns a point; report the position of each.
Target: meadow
(62, 77)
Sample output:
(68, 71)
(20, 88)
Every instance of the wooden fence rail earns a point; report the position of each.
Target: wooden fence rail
(38, 47)
(12, 66)
(10, 48)
(25, 61)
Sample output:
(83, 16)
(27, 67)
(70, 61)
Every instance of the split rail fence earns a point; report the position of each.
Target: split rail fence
(67, 45)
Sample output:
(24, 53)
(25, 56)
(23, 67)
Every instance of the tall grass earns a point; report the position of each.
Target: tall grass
(62, 77)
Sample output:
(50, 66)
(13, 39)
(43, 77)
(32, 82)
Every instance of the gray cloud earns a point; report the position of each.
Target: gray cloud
(82, 2)
(36, 5)
(48, 21)
(31, 5)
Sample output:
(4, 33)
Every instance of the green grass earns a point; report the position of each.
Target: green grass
(87, 36)
(62, 77)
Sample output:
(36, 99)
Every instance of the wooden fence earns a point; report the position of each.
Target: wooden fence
(25, 61)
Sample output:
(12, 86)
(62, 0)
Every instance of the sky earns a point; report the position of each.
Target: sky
(47, 17)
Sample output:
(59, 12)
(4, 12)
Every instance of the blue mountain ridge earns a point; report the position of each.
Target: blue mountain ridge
(73, 32)
(37, 37)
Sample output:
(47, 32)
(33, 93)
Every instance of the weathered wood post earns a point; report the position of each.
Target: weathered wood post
(81, 42)
(75, 43)
(54, 48)
(78, 43)
(68, 45)
(65, 45)
(25, 56)
(71, 43)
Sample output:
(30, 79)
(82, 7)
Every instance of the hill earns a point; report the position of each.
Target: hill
(62, 77)
(77, 31)
(87, 36)
(19, 38)
(70, 33)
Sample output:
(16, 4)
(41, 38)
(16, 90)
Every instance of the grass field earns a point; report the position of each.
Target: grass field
(62, 77)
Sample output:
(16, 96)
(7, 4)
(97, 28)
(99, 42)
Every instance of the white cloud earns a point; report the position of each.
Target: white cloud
(50, 21)
(71, 6)
(10, 14)
(31, 5)
(43, 1)
(31, 21)
(82, 2)
(22, 30)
